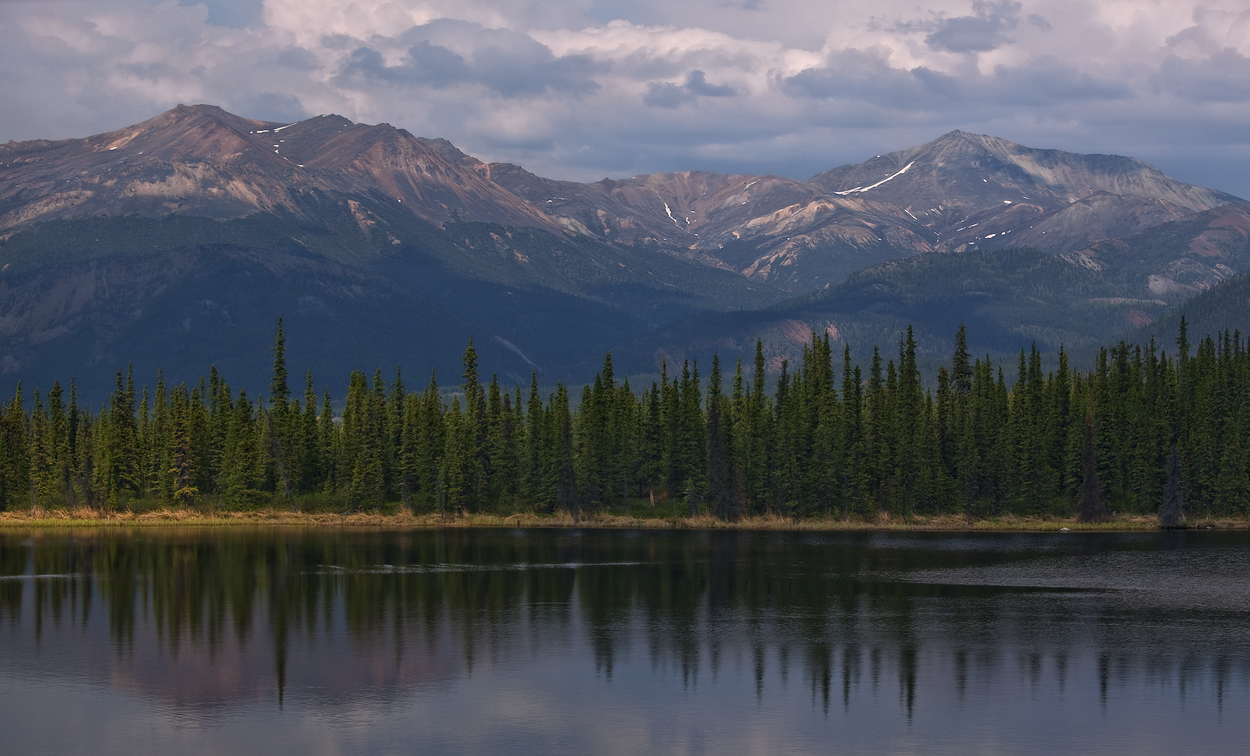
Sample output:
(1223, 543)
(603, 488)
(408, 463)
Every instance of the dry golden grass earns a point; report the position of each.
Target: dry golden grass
(79, 518)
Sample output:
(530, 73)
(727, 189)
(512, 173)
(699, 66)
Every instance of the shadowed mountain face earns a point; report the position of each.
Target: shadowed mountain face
(1008, 298)
(177, 242)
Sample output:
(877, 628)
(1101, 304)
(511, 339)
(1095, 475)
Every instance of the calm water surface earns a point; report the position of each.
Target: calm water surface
(322, 642)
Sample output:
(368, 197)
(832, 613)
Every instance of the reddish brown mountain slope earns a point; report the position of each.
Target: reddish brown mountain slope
(201, 160)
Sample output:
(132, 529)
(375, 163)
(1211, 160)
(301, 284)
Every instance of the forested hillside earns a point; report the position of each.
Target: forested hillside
(1224, 306)
(825, 439)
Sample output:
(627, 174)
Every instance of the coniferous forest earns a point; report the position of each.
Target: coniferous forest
(1143, 432)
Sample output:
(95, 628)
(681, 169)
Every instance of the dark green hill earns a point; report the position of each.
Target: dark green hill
(1008, 299)
(85, 297)
(1226, 306)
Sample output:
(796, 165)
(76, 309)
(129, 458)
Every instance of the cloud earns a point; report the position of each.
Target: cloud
(863, 75)
(1039, 21)
(426, 64)
(696, 83)
(577, 89)
(981, 32)
(235, 14)
(1049, 81)
(504, 62)
(515, 64)
(663, 94)
(1222, 77)
(297, 59)
(269, 106)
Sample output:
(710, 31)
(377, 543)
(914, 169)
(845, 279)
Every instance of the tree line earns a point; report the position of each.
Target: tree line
(1140, 432)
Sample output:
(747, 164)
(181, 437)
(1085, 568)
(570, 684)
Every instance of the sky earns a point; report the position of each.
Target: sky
(583, 89)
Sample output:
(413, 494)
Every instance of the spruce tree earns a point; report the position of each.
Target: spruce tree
(908, 424)
(309, 447)
(718, 483)
(60, 442)
(241, 456)
(651, 440)
(492, 445)
(852, 481)
(1091, 506)
(85, 490)
(121, 443)
(279, 391)
(456, 477)
(533, 474)
(42, 470)
(184, 492)
(473, 429)
(566, 472)
(759, 429)
(408, 455)
(431, 443)
(327, 446)
(1172, 510)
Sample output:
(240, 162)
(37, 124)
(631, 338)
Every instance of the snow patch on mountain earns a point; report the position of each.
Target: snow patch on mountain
(879, 183)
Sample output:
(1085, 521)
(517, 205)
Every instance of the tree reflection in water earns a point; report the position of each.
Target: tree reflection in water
(202, 618)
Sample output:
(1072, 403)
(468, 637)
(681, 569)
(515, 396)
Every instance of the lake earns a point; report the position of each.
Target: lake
(319, 641)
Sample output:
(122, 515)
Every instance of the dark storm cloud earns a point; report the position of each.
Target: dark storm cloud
(1048, 82)
(431, 65)
(662, 94)
(1223, 77)
(697, 83)
(981, 32)
(508, 63)
(436, 64)
(866, 76)
(515, 64)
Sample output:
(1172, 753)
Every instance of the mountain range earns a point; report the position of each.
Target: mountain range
(176, 243)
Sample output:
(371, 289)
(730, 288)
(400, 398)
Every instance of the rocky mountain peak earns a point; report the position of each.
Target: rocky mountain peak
(202, 160)
(960, 191)
(198, 132)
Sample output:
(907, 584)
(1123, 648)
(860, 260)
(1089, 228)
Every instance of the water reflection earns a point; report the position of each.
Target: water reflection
(736, 642)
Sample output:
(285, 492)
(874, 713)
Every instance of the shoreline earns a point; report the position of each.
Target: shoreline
(87, 518)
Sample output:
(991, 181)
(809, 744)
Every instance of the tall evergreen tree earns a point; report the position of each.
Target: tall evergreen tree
(1172, 510)
(718, 478)
(183, 490)
(1091, 506)
(566, 471)
(279, 391)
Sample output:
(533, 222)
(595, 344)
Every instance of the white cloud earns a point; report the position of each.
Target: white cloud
(586, 88)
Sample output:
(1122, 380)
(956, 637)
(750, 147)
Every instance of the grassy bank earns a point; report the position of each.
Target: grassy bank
(90, 518)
